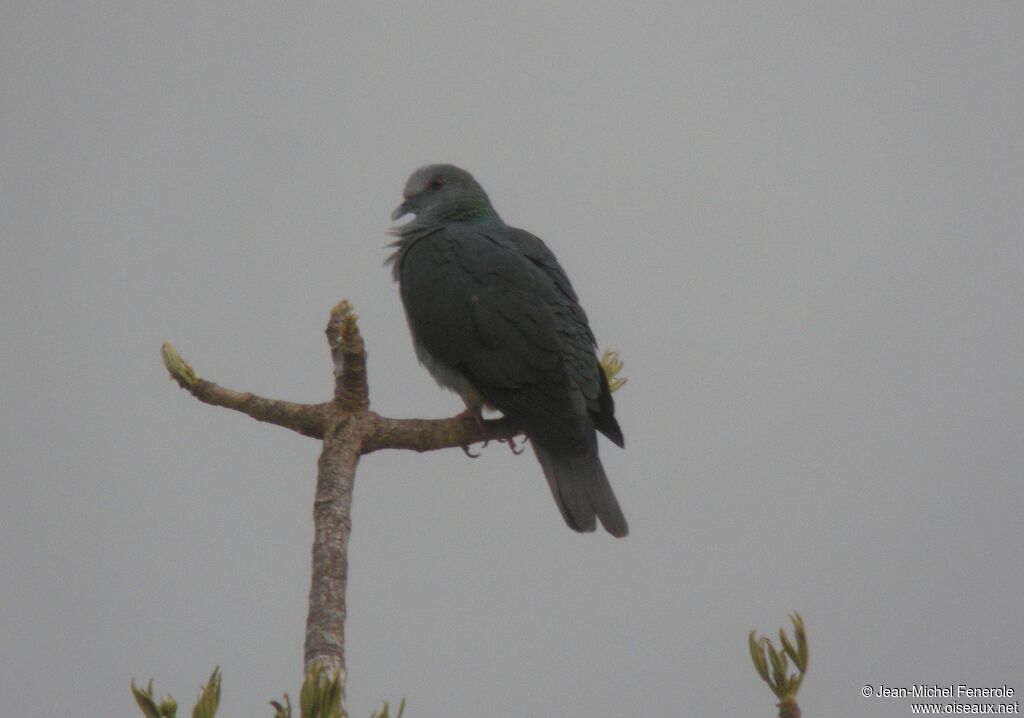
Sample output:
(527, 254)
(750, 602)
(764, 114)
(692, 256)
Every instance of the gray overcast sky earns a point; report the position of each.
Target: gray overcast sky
(799, 224)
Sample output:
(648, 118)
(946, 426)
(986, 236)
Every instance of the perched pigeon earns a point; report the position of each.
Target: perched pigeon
(494, 318)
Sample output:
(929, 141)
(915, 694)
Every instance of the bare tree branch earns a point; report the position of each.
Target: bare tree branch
(431, 434)
(349, 356)
(307, 419)
(348, 429)
(332, 521)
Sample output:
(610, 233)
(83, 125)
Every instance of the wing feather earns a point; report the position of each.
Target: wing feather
(495, 305)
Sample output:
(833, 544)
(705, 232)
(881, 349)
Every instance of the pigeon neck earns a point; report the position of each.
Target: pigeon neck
(467, 212)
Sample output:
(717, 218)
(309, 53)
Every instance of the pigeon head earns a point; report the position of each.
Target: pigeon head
(444, 192)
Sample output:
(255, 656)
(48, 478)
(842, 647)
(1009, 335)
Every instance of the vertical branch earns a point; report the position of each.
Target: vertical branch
(332, 508)
(332, 519)
(349, 356)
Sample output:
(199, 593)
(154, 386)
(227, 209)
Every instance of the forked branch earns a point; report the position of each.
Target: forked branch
(348, 429)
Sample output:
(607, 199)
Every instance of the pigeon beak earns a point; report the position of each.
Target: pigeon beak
(402, 210)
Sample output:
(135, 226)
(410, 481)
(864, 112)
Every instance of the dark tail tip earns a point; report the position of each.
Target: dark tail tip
(582, 492)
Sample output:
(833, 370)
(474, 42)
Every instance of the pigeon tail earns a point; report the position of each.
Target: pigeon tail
(582, 491)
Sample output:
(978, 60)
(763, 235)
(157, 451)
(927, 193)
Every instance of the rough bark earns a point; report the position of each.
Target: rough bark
(430, 434)
(348, 429)
(332, 525)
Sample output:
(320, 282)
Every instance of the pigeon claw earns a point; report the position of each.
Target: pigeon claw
(473, 413)
(511, 441)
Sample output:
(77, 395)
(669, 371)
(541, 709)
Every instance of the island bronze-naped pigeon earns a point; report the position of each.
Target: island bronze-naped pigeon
(494, 318)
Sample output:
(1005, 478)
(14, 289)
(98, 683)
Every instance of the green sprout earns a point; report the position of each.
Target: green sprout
(178, 367)
(772, 665)
(612, 365)
(206, 706)
(385, 712)
(321, 696)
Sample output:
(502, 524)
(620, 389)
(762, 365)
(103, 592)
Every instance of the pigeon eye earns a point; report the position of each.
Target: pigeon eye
(436, 183)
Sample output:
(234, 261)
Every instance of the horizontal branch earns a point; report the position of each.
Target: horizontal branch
(306, 419)
(430, 434)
